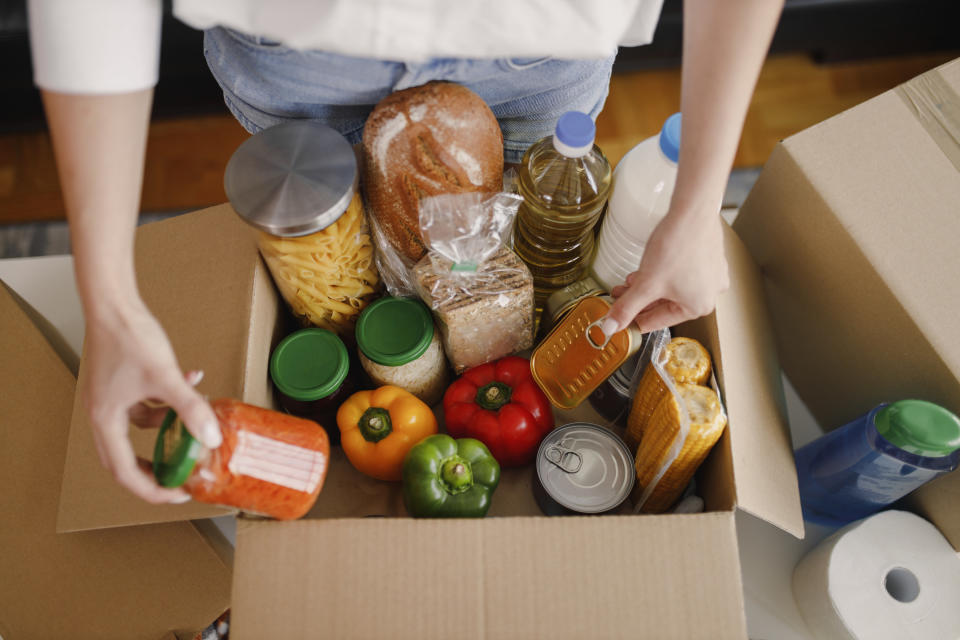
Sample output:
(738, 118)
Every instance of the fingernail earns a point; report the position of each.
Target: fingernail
(609, 326)
(194, 377)
(181, 499)
(211, 435)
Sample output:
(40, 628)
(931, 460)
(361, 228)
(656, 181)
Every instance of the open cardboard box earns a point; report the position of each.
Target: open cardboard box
(517, 573)
(855, 224)
(142, 582)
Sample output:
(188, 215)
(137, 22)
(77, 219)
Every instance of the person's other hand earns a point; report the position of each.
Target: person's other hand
(682, 272)
(130, 361)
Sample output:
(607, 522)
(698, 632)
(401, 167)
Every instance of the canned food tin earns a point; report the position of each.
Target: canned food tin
(562, 301)
(576, 357)
(612, 398)
(582, 468)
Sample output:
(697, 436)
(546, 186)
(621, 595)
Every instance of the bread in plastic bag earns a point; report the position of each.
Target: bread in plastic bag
(480, 292)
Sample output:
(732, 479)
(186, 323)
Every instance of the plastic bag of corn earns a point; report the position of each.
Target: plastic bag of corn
(683, 360)
(685, 423)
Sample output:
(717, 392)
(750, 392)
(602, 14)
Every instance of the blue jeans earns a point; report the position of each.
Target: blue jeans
(265, 83)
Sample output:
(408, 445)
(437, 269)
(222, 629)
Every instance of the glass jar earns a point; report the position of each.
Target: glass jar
(310, 370)
(398, 345)
(296, 183)
(270, 463)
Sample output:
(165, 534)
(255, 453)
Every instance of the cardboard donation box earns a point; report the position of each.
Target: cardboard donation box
(358, 567)
(120, 584)
(855, 224)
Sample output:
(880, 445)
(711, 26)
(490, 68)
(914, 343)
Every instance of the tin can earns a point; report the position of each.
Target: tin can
(582, 468)
(563, 300)
(576, 357)
(612, 398)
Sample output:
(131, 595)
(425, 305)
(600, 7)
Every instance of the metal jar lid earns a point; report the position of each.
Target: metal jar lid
(292, 179)
(585, 468)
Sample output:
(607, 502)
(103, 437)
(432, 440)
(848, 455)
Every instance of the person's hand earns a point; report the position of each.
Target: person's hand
(131, 374)
(682, 272)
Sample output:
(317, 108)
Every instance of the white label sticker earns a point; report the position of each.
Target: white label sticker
(278, 462)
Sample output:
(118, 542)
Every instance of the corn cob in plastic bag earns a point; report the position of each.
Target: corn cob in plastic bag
(686, 422)
(684, 360)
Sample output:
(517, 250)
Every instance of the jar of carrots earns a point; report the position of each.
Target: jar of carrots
(270, 463)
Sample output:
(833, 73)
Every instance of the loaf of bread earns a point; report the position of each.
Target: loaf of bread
(483, 315)
(424, 141)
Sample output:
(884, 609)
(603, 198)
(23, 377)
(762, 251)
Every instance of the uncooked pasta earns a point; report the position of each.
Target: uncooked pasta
(327, 277)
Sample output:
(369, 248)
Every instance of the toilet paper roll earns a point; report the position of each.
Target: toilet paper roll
(889, 576)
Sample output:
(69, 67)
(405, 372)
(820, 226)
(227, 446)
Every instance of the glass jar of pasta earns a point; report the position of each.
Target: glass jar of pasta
(296, 183)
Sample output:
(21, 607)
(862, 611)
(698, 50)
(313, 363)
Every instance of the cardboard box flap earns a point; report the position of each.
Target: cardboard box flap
(854, 223)
(551, 578)
(193, 311)
(114, 584)
(748, 373)
(53, 337)
(938, 502)
(884, 173)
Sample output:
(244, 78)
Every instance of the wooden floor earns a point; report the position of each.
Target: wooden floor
(186, 157)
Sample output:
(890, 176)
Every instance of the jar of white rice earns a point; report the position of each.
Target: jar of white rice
(399, 345)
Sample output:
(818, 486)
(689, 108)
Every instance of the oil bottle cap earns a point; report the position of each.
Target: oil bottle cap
(574, 134)
(919, 427)
(670, 137)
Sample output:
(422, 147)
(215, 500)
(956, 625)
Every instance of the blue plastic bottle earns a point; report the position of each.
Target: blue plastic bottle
(875, 460)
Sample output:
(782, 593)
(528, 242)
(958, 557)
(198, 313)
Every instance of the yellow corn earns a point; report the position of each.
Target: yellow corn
(707, 422)
(686, 361)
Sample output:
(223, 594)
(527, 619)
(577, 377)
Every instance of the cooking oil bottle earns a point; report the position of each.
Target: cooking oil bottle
(564, 180)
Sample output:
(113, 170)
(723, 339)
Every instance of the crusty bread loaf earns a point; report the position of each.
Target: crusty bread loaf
(424, 141)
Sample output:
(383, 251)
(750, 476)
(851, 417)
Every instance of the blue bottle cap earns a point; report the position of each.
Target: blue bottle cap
(670, 137)
(576, 130)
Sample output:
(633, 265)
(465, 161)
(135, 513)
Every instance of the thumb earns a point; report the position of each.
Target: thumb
(195, 412)
(635, 299)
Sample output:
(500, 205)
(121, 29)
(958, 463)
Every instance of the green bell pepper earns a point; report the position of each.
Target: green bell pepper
(447, 478)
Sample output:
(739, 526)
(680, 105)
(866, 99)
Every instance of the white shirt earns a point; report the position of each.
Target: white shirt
(113, 46)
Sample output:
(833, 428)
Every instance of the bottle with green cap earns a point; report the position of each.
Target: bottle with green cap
(875, 460)
(310, 370)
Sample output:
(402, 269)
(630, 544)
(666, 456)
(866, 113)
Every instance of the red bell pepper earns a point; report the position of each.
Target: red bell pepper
(500, 405)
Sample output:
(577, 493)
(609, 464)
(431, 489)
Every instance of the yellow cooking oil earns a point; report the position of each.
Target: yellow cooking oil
(563, 197)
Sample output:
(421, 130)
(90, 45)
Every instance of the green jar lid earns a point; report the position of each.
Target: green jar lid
(175, 453)
(394, 331)
(309, 364)
(919, 427)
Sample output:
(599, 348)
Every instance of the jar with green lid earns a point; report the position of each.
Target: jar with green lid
(310, 370)
(398, 345)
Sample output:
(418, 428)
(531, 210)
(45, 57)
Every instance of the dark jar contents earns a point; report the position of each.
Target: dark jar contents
(311, 372)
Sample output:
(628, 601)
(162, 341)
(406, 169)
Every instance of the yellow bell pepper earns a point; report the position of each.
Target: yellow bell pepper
(378, 428)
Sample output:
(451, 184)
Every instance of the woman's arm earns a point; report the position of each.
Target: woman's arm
(684, 268)
(99, 142)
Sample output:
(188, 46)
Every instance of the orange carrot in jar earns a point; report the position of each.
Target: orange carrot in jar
(270, 463)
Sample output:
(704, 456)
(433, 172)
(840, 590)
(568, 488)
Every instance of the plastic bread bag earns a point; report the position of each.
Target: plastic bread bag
(395, 269)
(480, 292)
(686, 420)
